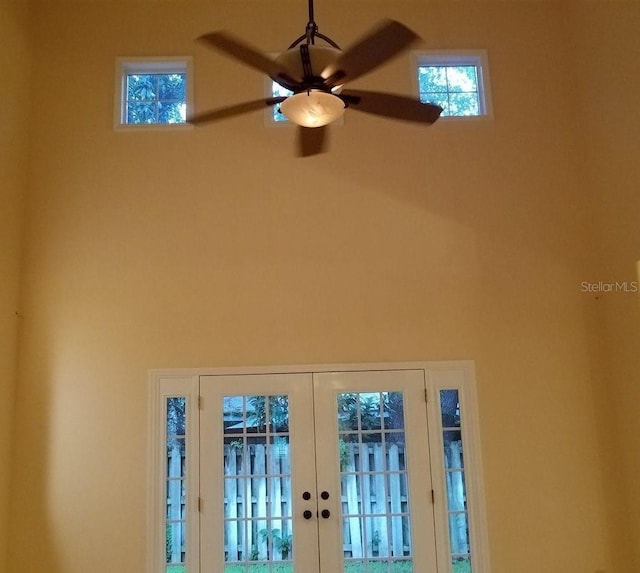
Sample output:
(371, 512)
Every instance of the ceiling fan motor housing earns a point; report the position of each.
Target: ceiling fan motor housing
(320, 57)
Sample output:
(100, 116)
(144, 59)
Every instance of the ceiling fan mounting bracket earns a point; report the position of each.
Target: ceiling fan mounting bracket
(311, 32)
(310, 35)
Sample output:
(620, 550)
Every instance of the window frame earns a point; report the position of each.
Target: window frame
(125, 66)
(477, 58)
(172, 385)
(449, 375)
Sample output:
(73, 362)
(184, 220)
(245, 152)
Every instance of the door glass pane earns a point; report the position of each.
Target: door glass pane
(455, 481)
(258, 531)
(373, 475)
(175, 486)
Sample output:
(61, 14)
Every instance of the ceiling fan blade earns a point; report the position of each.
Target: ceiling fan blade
(249, 55)
(233, 110)
(391, 105)
(312, 140)
(382, 43)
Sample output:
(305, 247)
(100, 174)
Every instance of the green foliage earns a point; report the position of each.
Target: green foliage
(272, 410)
(461, 566)
(176, 416)
(454, 88)
(272, 567)
(350, 566)
(375, 542)
(343, 449)
(357, 566)
(370, 411)
(156, 98)
(358, 411)
(169, 542)
(281, 542)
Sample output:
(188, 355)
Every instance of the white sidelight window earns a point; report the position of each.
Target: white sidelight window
(355, 469)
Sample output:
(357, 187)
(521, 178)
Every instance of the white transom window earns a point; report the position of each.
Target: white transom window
(456, 81)
(152, 92)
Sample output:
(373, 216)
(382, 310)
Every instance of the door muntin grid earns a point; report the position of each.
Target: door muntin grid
(258, 522)
(454, 469)
(175, 492)
(376, 528)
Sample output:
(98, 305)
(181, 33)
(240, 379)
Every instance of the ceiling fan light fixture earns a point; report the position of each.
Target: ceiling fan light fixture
(312, 108)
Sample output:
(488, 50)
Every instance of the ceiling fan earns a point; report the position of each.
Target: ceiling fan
(316, 75)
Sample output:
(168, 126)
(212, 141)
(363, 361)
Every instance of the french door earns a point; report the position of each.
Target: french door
(315, 473)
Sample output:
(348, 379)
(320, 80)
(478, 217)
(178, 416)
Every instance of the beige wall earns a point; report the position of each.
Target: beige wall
(14, 101)
(216, 247)
(612, 168)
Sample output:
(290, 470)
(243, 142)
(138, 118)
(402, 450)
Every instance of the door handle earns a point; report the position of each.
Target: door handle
(307, 514)
(325, 513)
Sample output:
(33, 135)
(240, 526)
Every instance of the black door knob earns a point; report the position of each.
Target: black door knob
(325, 513)
(306, 496)
(324, 495)
(307, 514)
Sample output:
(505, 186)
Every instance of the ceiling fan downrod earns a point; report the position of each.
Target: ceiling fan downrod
(311, 32)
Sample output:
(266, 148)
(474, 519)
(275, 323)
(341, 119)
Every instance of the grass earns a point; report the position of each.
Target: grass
(350, 567)
(463, 566)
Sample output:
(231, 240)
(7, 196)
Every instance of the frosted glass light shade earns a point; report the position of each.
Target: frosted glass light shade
(314, 108)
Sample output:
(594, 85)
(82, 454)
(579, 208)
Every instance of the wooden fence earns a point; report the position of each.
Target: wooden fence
(257, 501)
(258, 520)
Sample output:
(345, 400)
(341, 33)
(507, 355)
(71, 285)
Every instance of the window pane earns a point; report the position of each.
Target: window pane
(172, 86)
(432, 78)
(257, 516)
(462, 79)
(347, 412)
(279, 413)
(277, 90)
(459, 533)
(141, 87)
(440, 99)
(393, 417)
(141, 113)
(374, 485)
(370, 415)
(455, 88)
(172, 112)
(455, 480)
(456, 498)
(176, 416)
(154, 98)
(175, 509)
(463, 104)
(450, 408)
